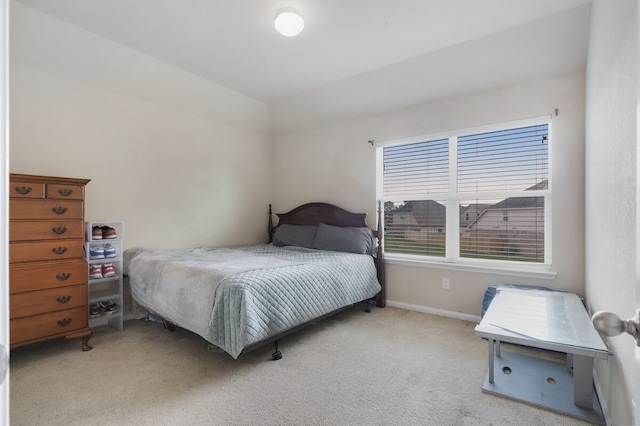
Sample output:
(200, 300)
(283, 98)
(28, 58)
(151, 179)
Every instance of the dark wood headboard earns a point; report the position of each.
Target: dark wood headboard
(316, 213)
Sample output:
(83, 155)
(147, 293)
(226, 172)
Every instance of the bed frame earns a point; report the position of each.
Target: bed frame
(314, 214)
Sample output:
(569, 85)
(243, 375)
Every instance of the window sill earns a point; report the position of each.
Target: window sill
(538, 271)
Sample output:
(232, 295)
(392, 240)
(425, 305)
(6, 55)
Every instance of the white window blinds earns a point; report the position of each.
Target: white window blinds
(497, 182)
(507, 160)
(416, 168)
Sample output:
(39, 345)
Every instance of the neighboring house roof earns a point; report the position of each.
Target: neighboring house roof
(474, 207)
(429, 213)
(470, 213)
(405, 208)
(516, 202)
(521, 202)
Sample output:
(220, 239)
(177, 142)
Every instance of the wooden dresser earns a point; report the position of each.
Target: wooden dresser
(48, 276)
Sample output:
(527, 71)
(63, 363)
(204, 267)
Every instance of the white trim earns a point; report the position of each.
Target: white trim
(548, 201)
(452, 224)
(539, 271)
(4, 208)
(434, 311)
(379, 176)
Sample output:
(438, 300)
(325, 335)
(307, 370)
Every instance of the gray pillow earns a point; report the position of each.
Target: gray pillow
(345, 238)
(294, 235)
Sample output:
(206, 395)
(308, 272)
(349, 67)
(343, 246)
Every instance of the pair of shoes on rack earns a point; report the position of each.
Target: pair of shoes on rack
(103, 233)
(94, 310)
(100, 252)
(104, 270)
(103, 307)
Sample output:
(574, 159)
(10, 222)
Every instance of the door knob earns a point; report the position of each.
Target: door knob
(610, 324)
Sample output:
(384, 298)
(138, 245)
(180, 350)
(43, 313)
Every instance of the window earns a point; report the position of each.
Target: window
(469, 195)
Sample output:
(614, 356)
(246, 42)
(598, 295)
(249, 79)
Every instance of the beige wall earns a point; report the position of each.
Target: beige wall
(336, 164)
(176, 177)
(611, 188)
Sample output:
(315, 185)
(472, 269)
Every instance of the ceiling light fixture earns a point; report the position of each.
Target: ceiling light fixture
(289, 22)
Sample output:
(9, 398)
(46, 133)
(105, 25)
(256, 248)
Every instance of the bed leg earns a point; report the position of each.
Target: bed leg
(367, 308)
(276, 355)
(169, 326)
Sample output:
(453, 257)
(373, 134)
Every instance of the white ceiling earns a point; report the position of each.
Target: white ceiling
(233, 42)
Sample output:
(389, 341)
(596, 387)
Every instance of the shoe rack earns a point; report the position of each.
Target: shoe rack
(108, 262)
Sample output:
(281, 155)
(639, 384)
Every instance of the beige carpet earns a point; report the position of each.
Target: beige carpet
(389, 367)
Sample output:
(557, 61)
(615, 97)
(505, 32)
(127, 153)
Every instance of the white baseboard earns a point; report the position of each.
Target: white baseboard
(434, 311)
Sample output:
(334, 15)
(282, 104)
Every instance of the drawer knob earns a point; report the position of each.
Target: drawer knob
(59, 250)
(59, 230)
(65, 192)
(24, 190)
(64, 322)
(59, 210)
(63, 299)
(63, 277)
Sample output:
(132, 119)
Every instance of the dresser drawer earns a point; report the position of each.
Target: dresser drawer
(45, 209)
(47, 325)
(64, 192)
(45, 230)
(45, 250)
(43, 301)
(47, 275)
(23, 189)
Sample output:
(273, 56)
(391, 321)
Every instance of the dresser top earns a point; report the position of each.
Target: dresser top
(48, 179)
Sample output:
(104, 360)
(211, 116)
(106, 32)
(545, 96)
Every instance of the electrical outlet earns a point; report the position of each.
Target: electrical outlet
(445, 283)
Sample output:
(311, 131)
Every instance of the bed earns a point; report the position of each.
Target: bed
(319, 260)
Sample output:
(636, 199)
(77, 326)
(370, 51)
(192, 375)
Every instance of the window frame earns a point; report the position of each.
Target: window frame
(452, 258)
